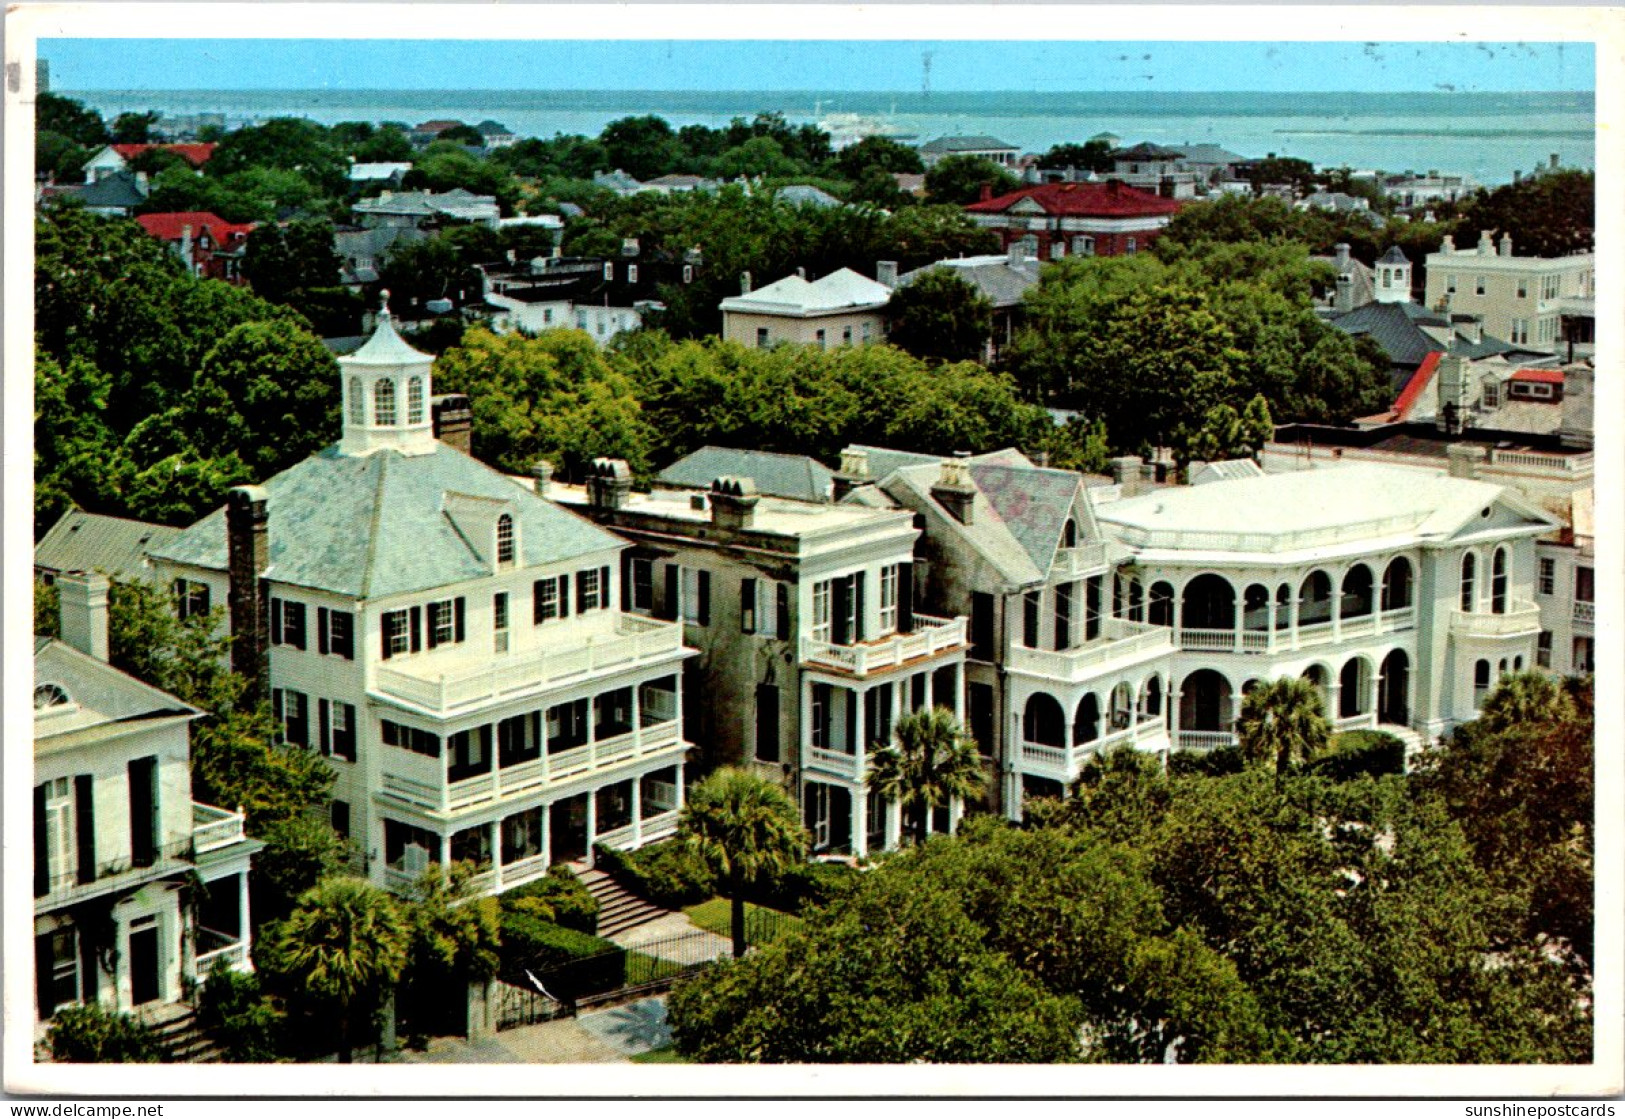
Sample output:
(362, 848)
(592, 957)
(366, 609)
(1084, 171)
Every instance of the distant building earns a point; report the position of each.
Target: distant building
(1209, 162)
(495, 134)
(429, 131)
(1154, 169)
(1545, 302)
(113, 546)
(116, 195)
(1002, 280)
(989, 148)
(390, 174)
(1076, 219)
(206, 244)
(600, 296)
(800, 194)
(115, 158)
(841, 309)
(1409, 191)
(423, 211)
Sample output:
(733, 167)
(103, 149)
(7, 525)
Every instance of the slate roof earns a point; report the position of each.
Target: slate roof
(1224, 470)
(102, 694)
(371, 526)
(118, 190)
(1394, 255)
(1146, 151)
(800, 194)
(949, 145)
(1110, 199)
(1396, 328)
(81, 541)
(793, 476)
(1210, 153)
(992, 276)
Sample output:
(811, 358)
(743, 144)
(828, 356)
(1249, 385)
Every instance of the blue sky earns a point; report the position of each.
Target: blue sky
(112, 64)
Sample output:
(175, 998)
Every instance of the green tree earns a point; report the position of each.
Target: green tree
(281, 260)
(760, 155)
(73, 119)
(940, 316)
(1094, 155)
(877, 152)
(929, 763)
(747, 830)
(134, 128)
(342, 952)
(644, 147)
(959, 179)
(455, 938)
(283, 143)
(1283, 722)
(90, 1033)
(1551, 214)
(1227, 434)
(302, 849)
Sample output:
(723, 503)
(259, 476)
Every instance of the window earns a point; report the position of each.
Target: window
(609, 270)
(446, 622)
(191, 598)
(1523, 287)
(1481, 682)
(1584, 661)
(335, 723)
(888, 599)
(338, 813)
(550, 598)
(747, 605)
(767, 723)
(54, 802)
(292, 709)
(1029, 618)
(592, 590)
(287, 623)
(1057, 250)
(818, 336)
(1584, 584)
(383, 404)
(1520, 330)
(821, 626)
(1449, 282)
(695, 596)
(1549, 286)
(414, 400)
(1498, 582)
(358, 403)
(1062, 628)
(410, 738)
(1492, 394)
(688, 273)
(335, 632)
(402, 631)
(1543, 649)
(468, 753)
(761, 338)
(1548, 575)
(846, 336)
(1131, 247)
(504, 539)
(1478, 285)
(1469, 568)
(56, 959)
(499, 622)
(642, 584)
(631, 273)
(981, 625)
(522, 835)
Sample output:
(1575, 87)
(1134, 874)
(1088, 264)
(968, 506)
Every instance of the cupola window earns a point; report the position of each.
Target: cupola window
(384, 403)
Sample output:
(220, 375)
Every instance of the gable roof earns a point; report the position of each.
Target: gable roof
(120, 189)
(843, 290)
(1110, 199)
(81, 541)
(951, 144)
(1145, 150)
(1396, 328)
(991, 276)
(1417, 385)
(1210, 153)
(171, 227)
(793, 476)
(101, 694)
(373, 526)
(1539, 376)
(802, 194)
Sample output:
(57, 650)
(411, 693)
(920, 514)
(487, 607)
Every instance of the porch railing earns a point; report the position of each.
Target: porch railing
(931, 637)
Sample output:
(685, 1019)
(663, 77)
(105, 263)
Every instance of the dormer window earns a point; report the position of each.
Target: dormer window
(505, 539)
(383, 405)
(414, 400)
(47, 696)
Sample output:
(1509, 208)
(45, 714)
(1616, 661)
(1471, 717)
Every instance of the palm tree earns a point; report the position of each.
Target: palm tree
(929, 763)
(345, 945)
(746, 828)
(1525, 697)
(1283, 720)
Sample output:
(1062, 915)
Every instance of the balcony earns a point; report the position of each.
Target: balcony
(1061, 763)
(215, 948)
(212, 829)
(1307, 635)
(578, 653)
(1204, 740)
(421, 781)
(1076, 563)
(1585, 613)
(1521, 619)
(836, 763)
(931, 637)
(1120, 643)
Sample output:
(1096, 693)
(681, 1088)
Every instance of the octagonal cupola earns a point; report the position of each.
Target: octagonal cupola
(386, 394)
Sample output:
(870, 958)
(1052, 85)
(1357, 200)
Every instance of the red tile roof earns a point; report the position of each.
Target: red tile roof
(168, 227)
(1110, 199)
(195, 154)
(1539, 376)
(1416, 385)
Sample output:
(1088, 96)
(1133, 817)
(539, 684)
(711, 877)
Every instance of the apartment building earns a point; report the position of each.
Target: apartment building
(456, 646)
(1546, 302)
(803, 613)
(138, 890)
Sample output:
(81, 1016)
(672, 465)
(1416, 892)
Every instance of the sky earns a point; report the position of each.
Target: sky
(162, 64)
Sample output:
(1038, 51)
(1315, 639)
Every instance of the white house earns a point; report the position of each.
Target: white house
(137, 889)
(840, 309)
(1528, 300)
(457, 646)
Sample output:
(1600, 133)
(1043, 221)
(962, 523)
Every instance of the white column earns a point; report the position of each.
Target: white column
(637, 731)
(1297, 615)
(860, 821)
(547, 835)
(245, 927)
(1235, 707)
(959, 693)
(592, 822)
(860, 755)
(956, 812)
(894, 825)
(679, 780)
(637, 811)
(495, 827)
(1334, 690)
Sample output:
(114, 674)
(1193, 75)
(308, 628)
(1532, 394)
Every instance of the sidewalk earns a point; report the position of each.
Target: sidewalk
(614, 1034)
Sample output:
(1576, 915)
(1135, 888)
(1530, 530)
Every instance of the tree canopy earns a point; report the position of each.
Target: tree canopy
(940, 316)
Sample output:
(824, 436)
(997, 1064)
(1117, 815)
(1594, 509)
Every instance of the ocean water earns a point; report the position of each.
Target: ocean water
(1485, 135)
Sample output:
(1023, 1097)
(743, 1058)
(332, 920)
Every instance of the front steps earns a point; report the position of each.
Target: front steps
(618, 910)
(182, 1041)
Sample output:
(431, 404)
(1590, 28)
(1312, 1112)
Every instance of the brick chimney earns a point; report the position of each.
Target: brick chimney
(609, 483)
(733, 502)
(247, 555)
(1127, 474)
(954, 490)
(986, 194)
(83, 609)
(542, 471)
(454, 421)
(854, 472)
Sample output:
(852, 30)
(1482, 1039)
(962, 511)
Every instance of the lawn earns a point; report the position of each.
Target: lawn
(666, 1056)
(643, 968)
(762, 924)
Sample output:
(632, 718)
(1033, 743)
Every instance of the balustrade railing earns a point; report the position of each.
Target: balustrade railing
(1204, 739)
(931, 636)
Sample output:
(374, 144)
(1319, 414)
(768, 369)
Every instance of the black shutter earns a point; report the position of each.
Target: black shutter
(582, 604)
(564, 596)
(747, 609)
(324, 734)
(628, 600)
(344, 741)
(705, 598)
(858, 581)
(44, 966)
(905, 598)
(203, 597)
(457, 620)
(434, 609)
(417, 628)
(668, 608)
(343, 633)
(841, 611)
(321, 629)
(605, 599)
(42, 846)
(784, 611)
(143, 809)
(84, 824)
(384, 633)
(536, 600)
(276, 621)
(1063, 616)
(981, 625)
(767, 723)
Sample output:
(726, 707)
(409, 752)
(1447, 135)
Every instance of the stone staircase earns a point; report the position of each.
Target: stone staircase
(178, 1035)
(618, 910)
(1415, 742)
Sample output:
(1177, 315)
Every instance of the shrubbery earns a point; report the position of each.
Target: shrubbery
(234, 1012)
(665, 874)
(94, 1034)
(1208, 763)
(559, 897)
(806, 887)
(1359, 753)
(529, 943)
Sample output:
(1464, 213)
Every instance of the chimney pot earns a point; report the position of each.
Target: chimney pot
(83, 610)
(1506, 244)
(1342, 250)
(609, 483)
(733, 502)
(954, 491)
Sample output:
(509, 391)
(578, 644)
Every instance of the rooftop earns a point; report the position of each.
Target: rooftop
(171, 227)
(793, 476)
(1108, 199)
(843, 290)
(116, 547)
(97, 694)
(775, 516)
(992, 276)
(952, 144)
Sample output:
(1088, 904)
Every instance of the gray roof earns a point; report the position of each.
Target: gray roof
(102, 694)
(794, 476)
(375, 525)
(992, 276)
(800, 194)
(1145, 150)
(1033, 502)
(1395, 328)
(116, 547)
(1224, 470)
(121, 188)
(1210, 153)
(1395, 255)
(967, 144)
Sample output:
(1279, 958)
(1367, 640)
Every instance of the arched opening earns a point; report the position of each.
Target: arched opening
(383, 403)
(1283, 606)
(1122, 706)
(1396, 584)
(1160, 610)
(1316, 674)
(414, 400)
(1315, 599)
(1517, 664)
(1498, 582)
(1469, 572)
(1043, 722)
(358, 403)
(1136, 601)
(1393, 705)
(1069, 534)
(1481, 682)
(1353, 685)
(1086, 722)
(505, 539)
(1255, 608)
(1151, 698)
(1204, 702)
(1209, 603)
(1357, 588)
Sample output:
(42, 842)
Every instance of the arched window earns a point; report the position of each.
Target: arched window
(1283, 606)
(1498, 582)
(1356, 601)
(1151, 698)
(1396, 584)
(505, 539)
(1517, 664)
(414, 400)
(1351, 689)
(1161, 612)
(1086, 723)
(1136, 607)
(1069, 534)
(1481, 682)
(383, 403)
(358, 403)
(1209, 603)
(50, 695)
(1469, 572)
(1255, 610)
(1122, 706)
(1043, 722)
(1316, 599)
